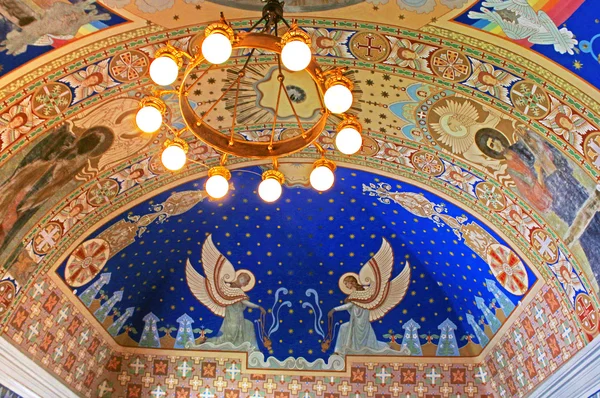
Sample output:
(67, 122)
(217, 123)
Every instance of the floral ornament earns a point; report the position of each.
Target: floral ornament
(91, 80)
(330, 42)
(407, 54)
(418, 6)
(489, 80)
(563, 121)
(563, 270)
(134, 175)
(15, 122)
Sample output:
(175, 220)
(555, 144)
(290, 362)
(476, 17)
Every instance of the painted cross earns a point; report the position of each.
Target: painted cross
(233, 371)
(104, 388)
(541, 356)
(433, 376)
(63, 314)
(481, 375)
(38, 289)
(566, 333)
(595, 149)
(137, 366)
(369, 45)
(383, 375)
(184, 368)
(206, 393)
(518, 338)
(158, 392)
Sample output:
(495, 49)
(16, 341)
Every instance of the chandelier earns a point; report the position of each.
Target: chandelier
(293, 54)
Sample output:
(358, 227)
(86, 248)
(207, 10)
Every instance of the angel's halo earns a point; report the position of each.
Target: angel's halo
(250, 285)
(341, 284)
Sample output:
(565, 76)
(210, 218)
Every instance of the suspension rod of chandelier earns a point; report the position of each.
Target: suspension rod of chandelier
(293, 51)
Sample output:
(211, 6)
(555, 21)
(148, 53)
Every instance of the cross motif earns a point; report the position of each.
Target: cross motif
(233, 371)
(344, 388)
(219, 384)
(566, 334)
(38, 289)
(104, 388)
(383, 375)
(481, 375)
(541, 356)
(184, 368)
(369, 46)
(433, 376)
(137, 366)
(518, 338)
(544, 244)
(206, 393)
(594, 151)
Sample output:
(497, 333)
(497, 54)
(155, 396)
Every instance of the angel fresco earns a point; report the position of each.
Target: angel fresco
(371, 295)
(223, 291)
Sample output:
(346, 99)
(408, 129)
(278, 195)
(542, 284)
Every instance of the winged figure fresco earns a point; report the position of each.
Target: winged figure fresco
(223, 291)
(519, 21)
(371, 295)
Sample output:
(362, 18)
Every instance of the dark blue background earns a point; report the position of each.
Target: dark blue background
(300, 231)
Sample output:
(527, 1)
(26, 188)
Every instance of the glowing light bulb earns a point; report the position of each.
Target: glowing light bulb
(217, 186)
(269, 190)
(216, 48)
(296, 55)
(338, 98)
(321, 178)
(348, 141)
(173, 157)
(164, 71)
(148, 119)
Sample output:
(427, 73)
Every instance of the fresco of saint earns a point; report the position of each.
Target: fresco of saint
(545, 178)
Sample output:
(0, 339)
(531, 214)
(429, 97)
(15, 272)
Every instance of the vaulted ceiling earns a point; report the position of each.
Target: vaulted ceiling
(477, 176)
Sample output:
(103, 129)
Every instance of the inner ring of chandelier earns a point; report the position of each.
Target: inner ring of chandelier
(252, 149)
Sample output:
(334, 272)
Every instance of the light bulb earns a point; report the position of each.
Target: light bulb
(216, 48)
(296, 55)
(321, 178)
(269, 190)
(173, 157)
(348, 141)
(164, 71)
(217, 186)
(148, 119)
(338, 98)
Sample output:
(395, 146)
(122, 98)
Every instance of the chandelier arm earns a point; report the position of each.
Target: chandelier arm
(280, 78)
(286, 23)
(256, 24)
(187, 90)
(235, 105)
(221, 97)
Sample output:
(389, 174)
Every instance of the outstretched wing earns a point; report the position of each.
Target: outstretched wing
(200, 288)
(374, 277)
(214, 290)
(396, 290)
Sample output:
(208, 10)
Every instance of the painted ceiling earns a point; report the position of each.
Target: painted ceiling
(479, 167)
(297, 250)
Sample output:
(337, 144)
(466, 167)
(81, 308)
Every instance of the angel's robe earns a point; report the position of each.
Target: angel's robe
(236, 329)
(356, 334)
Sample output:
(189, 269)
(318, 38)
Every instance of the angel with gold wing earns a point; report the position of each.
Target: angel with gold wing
(223, 292)
(371, 295)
